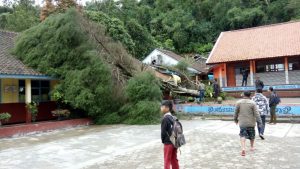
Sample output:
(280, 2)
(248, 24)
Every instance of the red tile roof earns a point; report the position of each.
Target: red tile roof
(269, 41)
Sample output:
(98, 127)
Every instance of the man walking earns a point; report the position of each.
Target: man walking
(263, 109)
(259, 84)
(170, 152)
(201, 91)
(246, 115)
(245, 77)
(273, 102)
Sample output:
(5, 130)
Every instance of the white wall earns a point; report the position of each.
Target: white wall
(166, 60)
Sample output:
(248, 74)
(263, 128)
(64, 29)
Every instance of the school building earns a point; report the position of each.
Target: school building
(20, 84)
(271, 52)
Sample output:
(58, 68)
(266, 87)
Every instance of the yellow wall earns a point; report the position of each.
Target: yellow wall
(9, 90)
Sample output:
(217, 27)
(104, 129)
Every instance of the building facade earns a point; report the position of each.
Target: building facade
(270, 52)
(20, 84)
(161, 57)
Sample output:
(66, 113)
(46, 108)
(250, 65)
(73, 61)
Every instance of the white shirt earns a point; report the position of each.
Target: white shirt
(168, 114)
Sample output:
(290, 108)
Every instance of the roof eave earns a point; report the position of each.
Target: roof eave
(215, 46)
(20, 76)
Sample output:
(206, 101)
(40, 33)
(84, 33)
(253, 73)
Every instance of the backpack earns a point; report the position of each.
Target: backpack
(276, 99)
(177, 138)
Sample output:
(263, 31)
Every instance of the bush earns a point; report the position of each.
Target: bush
(33, 109)
(144, 95)
(111, 118)
(209, 91)
(5, 116)
(143, 112)
(144, 86)
(223, 95)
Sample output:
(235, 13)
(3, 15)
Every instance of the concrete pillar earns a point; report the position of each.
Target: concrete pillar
(28, 91)
(286, 68)
(220, 76)
(251, 73)
(225, 75)
(28, 98)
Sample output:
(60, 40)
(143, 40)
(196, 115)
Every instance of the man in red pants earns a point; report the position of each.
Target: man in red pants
(170, 152)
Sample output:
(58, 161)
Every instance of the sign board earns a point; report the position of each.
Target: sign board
(281, 110)
(251, 88)
(10, 89)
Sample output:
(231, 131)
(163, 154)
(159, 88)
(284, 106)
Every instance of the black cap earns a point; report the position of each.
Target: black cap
(247, 93)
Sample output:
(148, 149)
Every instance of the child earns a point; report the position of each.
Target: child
(170, 152)
(246, 114)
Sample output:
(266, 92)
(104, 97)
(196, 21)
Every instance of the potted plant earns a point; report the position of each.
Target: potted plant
(61, 114)
(4, 117)
(33, 110)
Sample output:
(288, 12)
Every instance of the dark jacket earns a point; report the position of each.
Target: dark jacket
(166, 129)
(259, 84)
(272, 100)
(216, 89)
(245, 74)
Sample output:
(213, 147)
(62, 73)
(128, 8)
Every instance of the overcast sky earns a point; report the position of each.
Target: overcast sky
(40, 2)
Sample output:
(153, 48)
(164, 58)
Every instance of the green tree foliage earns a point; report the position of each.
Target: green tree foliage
(3, 20)
(144, 86)
(182, 65)
(59, 47)
(114, 28)
(24, 15)
(192, 26)
(144, 95)
(4, 9)
(144, 42)
(138, 41)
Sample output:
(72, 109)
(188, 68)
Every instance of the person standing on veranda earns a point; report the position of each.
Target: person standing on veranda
(245, 77)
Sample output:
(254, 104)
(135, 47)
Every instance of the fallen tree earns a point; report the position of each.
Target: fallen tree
(92, 68)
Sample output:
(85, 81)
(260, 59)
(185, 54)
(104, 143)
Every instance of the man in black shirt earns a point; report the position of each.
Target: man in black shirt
(245, 77)
(259, 84)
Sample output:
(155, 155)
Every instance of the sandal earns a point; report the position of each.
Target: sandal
(243, 153)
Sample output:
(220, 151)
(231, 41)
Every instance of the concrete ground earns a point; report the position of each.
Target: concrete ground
(210, 144)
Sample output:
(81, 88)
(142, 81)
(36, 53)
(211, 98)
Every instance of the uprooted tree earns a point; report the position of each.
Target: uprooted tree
(93, 68)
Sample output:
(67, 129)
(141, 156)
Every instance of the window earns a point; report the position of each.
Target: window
(159, 60)
(294, 65)
(40, 90)
(22, 91)
(270, 68)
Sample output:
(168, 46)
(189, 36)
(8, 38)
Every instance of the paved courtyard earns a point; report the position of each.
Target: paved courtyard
(210, 144)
